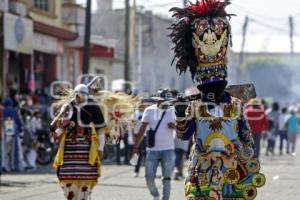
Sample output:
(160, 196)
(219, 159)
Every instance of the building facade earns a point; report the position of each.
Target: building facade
(42, 43)
(151, 54)
(33, 47)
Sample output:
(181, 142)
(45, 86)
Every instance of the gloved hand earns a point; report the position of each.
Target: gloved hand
(180, 106)
(52, 128)
(100, 155)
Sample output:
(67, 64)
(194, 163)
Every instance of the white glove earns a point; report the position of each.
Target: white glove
(101, 142)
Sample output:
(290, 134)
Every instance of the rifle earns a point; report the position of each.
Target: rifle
(244, 92)
(64, 108)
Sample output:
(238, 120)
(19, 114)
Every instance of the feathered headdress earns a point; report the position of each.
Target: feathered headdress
(117, 108)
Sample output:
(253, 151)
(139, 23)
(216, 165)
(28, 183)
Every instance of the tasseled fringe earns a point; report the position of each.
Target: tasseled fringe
(80, 183)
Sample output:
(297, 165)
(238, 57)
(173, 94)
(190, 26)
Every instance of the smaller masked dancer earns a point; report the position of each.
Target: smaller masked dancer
(80, 131)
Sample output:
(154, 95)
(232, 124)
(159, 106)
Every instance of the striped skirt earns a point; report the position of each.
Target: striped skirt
(76, 157)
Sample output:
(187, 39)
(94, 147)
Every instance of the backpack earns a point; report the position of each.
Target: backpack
(9, 127)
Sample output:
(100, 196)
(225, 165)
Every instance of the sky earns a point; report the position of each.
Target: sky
(268, 29)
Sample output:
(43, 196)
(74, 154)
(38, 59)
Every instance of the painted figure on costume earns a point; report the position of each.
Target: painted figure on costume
(222, 162)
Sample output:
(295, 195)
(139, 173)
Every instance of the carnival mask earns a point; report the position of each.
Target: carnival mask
(210, 39)
(201, 37)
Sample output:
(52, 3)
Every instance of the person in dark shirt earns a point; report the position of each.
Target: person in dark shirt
(12, 154)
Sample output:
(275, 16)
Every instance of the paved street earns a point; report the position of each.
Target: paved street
(117, 183)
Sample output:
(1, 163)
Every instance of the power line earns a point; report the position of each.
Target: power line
(251, 13)
(268, 25)
(253, 16)
(296, 15)
(161, 4)
(149, 4)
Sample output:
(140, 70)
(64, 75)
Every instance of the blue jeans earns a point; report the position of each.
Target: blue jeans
(283, 136)
(292, 141)
(167, 159)
(257, 138)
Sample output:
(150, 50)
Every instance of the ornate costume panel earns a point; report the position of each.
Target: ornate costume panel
(222, 162)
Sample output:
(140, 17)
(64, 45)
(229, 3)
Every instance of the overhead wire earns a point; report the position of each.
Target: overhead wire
(268, 25)
(254, 18)
(155, 5)
(250, 12)
(149, 4)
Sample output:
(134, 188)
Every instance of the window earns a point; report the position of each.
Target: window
(42, 5)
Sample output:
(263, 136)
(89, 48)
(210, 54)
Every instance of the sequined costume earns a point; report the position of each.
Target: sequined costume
(222, 162)
(221, 165)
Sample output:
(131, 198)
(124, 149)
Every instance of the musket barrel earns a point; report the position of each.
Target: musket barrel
(96, 78)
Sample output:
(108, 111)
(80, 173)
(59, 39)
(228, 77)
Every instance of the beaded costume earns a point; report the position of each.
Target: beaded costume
(222, 162)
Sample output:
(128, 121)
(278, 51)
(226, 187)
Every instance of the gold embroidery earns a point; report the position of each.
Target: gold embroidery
(203, 111)
(216, 124)
(221, 62)
(228, 109)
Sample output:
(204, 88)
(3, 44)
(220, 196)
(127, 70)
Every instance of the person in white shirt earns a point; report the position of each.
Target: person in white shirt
(137, 123)
(160, 145)
(282, 130)
(35, 127)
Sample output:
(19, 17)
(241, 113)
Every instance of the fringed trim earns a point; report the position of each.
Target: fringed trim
(79, 183)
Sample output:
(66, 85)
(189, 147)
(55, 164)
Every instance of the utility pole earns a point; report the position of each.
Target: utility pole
(291, 23)
(127, 46)
(245, 26)
(140, 49)
(184, 2)
(133, 41)
(241, 58)
(87, 36)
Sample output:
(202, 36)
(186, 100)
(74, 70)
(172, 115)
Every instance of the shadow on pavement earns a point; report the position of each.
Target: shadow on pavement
(122, 186)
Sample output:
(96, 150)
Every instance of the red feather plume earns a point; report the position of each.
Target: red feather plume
(209, 7)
